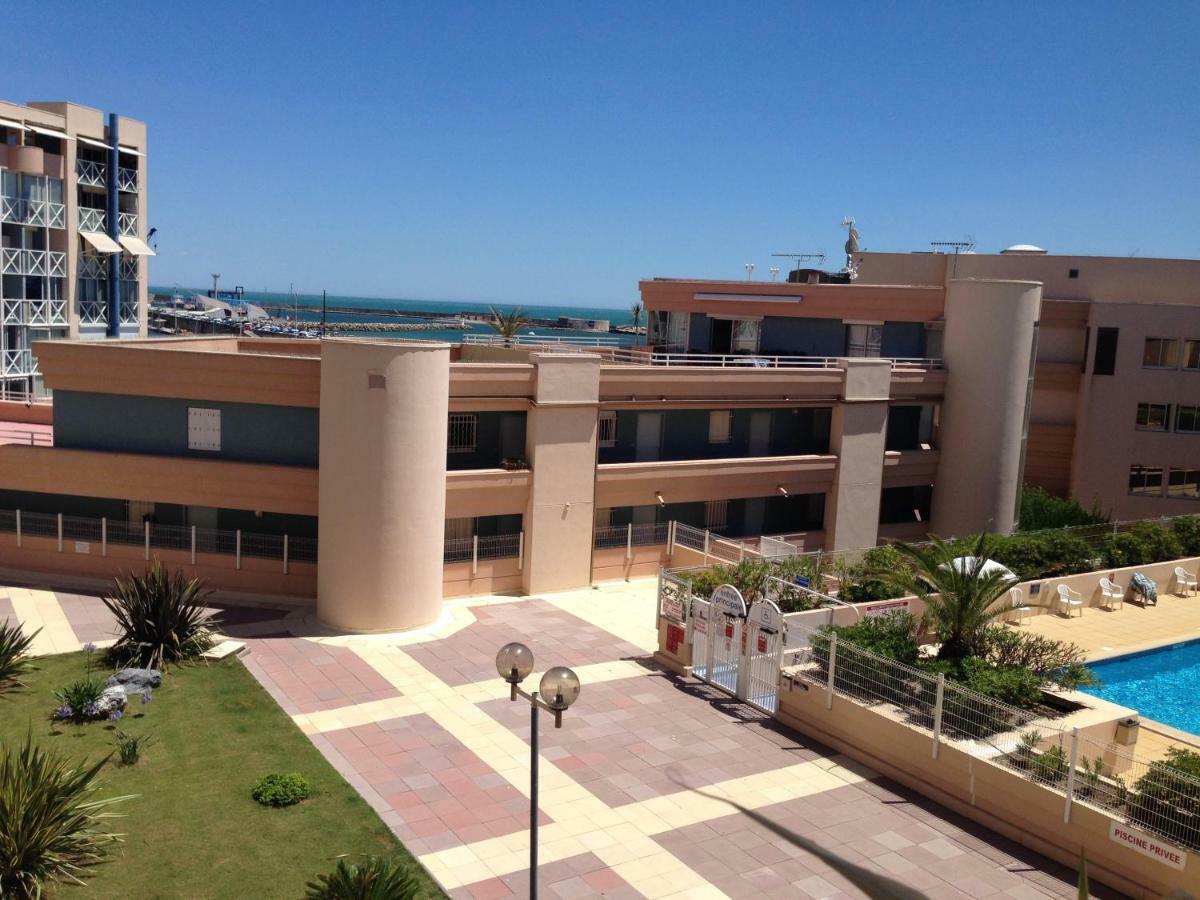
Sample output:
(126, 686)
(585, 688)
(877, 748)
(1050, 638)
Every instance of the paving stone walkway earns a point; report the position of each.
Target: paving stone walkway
(634, 786)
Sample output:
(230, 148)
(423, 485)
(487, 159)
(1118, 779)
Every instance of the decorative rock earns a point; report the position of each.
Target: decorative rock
(135, 681)
(110, 699)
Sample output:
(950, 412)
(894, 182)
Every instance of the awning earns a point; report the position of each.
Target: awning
(12, 123)
(125, 149)
(101, 242)
(136, 246)
(49, 131)
(93, 142)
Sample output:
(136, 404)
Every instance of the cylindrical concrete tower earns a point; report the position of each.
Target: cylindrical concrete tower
(382, 483)
(990, 346)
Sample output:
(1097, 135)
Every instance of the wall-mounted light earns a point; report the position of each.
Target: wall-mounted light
(782, 490)
(659, 497)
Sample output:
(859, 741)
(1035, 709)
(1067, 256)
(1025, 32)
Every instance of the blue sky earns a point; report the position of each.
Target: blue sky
(558, 152)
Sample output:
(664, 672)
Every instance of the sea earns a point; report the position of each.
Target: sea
(308, 309)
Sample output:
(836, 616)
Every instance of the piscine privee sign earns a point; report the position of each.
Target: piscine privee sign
(1167, 854)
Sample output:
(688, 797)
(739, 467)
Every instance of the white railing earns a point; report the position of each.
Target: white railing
(90, 173)
(776, 548)
(14, 261)
(644, 534)
(495, 546)
(35, 212)
(129, 267)
(12, 209)
(93, 265)
(94, 220)
(19, 363)
(25, 436)
(56, 215)
(565, 342)
(128, 223)
(93, 312)
(127, 180)
(32, 212)
(33, 312)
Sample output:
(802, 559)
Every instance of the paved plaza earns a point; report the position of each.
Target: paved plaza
(633, 786)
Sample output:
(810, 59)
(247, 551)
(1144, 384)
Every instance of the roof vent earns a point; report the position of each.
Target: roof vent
(1024, 250)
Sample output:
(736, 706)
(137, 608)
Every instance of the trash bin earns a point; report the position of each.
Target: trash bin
(1127, 731)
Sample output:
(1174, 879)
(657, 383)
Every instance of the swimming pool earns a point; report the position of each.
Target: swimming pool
(1161, 684)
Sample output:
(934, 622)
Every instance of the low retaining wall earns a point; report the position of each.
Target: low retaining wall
(492, 576)
(611, 563)
(29, 413)
(1088, 583)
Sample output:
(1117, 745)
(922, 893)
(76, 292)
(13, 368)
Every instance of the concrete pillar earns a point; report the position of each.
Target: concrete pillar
(382, 485)
(561, 437)
(990, 348)
(857, 435)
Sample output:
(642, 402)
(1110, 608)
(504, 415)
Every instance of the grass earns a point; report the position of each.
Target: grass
(194, 830)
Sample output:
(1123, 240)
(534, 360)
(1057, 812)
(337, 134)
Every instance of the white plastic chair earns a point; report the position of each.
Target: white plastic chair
(1069, 600)
(1016, 599)
(1185, 581)
(1112, 595)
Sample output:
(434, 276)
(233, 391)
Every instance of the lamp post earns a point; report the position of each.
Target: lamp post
(514, 662)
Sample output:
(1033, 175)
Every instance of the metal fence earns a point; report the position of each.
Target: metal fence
(1146, 793)
(645, 534)
(476, 548)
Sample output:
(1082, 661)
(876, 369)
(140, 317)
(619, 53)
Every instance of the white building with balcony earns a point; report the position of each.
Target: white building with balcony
(73, 250)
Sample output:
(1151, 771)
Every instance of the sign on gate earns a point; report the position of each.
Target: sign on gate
(728, 600)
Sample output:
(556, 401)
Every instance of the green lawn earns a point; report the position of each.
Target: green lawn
(193, 830)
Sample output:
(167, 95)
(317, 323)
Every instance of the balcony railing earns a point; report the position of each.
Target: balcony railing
(18, 364)
(90, 173)
(128, 223)
(127, 180)
(38, 313)
(473, 549)
(93, 265)
(94, 220)
(32, 212)
(33, 262)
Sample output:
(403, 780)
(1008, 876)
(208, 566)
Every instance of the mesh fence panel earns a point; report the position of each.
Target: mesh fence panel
(499, 546)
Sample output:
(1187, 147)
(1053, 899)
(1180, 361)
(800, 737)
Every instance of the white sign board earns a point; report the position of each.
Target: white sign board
(886, 609)
(672, 607)
(204, 428)
(728, 600)
(765, 614)
(83, 547)
(1167, 854)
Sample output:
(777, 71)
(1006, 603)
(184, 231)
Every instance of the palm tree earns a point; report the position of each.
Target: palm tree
(961, 598)
(508, 325)
(636, 314)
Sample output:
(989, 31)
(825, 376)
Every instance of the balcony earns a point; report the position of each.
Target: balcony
(32, 212)
(33, 262)
(93, 265)
(128, 223)
(92, 174)
(93, 312)
(127, 180)
(18, 364)
(37, 313)
(93, 220)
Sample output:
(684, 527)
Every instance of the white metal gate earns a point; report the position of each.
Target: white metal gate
(726, 636)
(698, 629)
(764, 656)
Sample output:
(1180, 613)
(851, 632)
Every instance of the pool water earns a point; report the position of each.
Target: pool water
(1162, 684)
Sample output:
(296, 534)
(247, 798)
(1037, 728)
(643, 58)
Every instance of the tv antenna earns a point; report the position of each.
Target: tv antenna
(957, 246)
(819, 256)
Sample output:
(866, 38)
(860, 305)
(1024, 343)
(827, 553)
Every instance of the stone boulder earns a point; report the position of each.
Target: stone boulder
(111, 699)
(135, 681)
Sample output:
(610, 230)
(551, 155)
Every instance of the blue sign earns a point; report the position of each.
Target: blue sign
(802, 581)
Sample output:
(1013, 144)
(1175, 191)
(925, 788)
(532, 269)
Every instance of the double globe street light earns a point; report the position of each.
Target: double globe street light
(558, 689)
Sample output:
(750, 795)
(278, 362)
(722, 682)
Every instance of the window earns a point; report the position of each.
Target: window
(720, 426)
(606, 434)
(1187, 419)
(461, 433)
(677, 332)
(1161, 353)
(460, 529)
(863, 339)
(204, 429)
(1153, 416)
(604, 517)
(898, 505)
(745, 335)
(1073, 273)
(1184, 484)
(1146, 480)
(716, 515)
(1106, 351)
(1191, 355)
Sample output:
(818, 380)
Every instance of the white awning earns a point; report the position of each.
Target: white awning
(49, 131)
(125, 149)
(136, 246)
(12, 123)
(94, 142)
(101, 242)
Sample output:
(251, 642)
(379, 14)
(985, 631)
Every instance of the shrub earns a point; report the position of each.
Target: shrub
(1051, 660)
(1187, 532)
(1050, 765)
(79, 701)
(861, 585)
(130, 746)
(750, 577)
(49, 823)
(161, 618)
(14, 655)
(1146, 543)
(1040, 510)
(1014, 685)
(1045, 555)
(1168, 789)
(1027, 748)
(280, 790)
(893, 636)
(372, 879)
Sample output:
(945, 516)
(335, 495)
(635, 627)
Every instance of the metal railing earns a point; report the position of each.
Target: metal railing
(127, 224)
(493, 546)
(14, 261)
(92, 174)
(644, 534)
(553, 342)
(1143, 792)
(18, 364)
(26, 436)
(127, 180)
(94, 220)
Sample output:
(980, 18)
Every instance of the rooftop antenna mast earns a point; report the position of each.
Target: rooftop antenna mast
(957, 246)
(851, 246)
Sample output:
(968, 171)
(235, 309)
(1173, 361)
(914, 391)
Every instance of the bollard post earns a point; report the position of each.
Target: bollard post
(832, 664)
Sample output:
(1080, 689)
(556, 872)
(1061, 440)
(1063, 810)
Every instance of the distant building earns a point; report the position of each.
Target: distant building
(73, 201)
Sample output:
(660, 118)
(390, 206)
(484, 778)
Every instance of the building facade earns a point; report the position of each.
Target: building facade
(73, 250)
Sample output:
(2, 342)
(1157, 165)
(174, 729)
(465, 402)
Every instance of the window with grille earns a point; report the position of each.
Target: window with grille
(1161, 353)
(716, 515)
(1184, 484)
(1187, 419)
(720, 426)
(1153, 416)
(1146, 480)
(607, 435)
(462, 431)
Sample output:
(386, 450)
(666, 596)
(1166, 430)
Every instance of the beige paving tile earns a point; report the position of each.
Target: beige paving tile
(40, 610)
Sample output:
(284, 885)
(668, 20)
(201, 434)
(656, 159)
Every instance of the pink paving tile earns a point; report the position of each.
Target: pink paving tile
(306, 677)
(88, 616)
(469, 655)
(584, 875)
(399, 767)
(7, 613)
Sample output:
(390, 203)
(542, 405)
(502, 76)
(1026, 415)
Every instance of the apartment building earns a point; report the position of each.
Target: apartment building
(73, 250)
(1115, 413)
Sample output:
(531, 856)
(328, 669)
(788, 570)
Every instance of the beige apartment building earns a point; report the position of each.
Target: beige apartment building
(73, 249)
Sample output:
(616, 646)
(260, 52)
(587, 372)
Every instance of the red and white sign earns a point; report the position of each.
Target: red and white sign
(886, 609)
(1167, 854)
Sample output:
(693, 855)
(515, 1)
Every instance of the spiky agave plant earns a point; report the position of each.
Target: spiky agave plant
(50, 825)
(14, 655)
(161, 617)
(372, 879)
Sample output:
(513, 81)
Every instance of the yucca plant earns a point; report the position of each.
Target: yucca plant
(508, 325)
(49, 823)
(14, 655)
(161, 617)
(372, 879)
